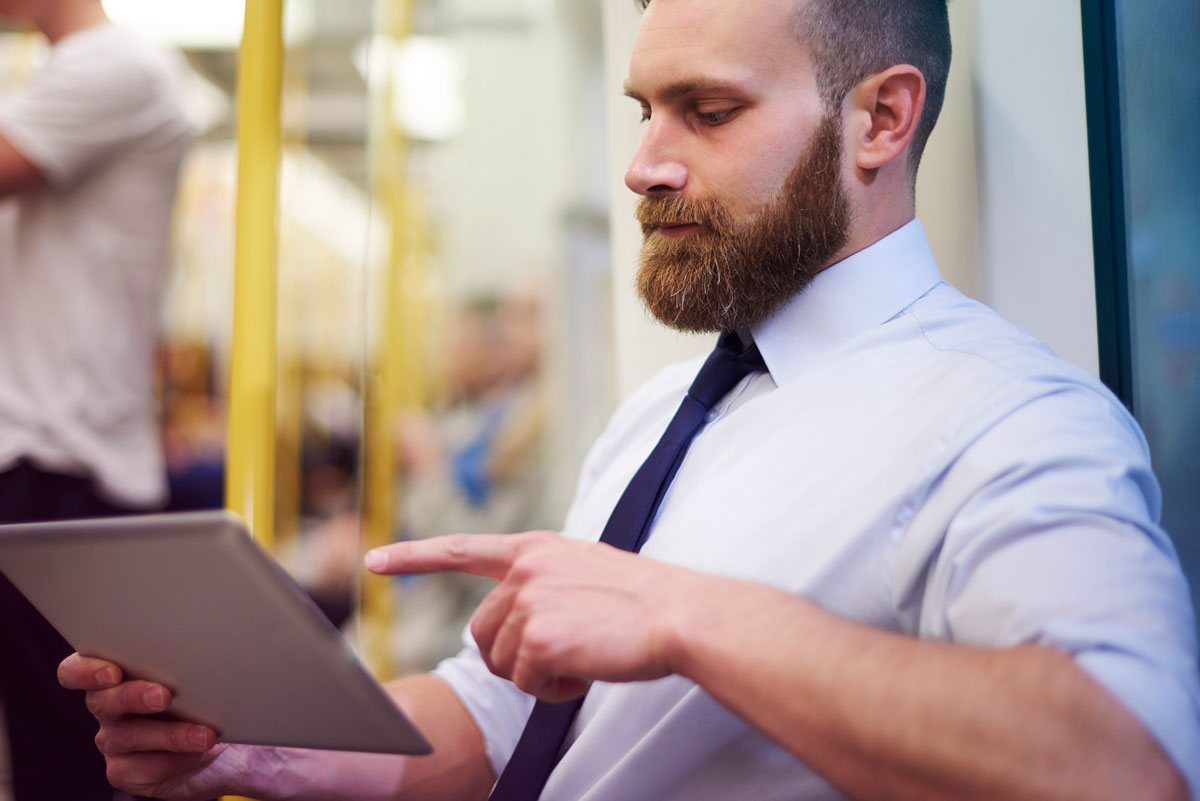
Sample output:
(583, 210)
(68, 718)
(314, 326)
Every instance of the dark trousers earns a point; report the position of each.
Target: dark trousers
(50, 731)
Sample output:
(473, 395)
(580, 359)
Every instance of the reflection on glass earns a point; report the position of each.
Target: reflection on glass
(1160, 96)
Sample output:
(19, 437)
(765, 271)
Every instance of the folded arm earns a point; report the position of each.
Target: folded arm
(887, 716)
(882, 716)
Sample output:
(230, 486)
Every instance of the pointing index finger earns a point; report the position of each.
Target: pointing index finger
(489, 555)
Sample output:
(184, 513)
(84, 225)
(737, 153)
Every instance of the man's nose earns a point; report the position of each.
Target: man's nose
(655, 169)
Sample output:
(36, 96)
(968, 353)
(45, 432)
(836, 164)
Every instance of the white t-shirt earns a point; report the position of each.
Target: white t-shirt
(911, 462)
(82, 263)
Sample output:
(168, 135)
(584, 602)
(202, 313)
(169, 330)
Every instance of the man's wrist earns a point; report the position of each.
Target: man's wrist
(299, 774)
(712, 614)
(269, 773)
(686, 617)
(256, 774)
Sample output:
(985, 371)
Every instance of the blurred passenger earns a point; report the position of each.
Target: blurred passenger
(193, 426)
(327, 551)
(90, 149)
(474, 465)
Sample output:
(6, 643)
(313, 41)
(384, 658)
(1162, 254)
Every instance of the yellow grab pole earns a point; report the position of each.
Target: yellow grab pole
(250, 448)
(250, 438)
(389, 385)
(294, 276)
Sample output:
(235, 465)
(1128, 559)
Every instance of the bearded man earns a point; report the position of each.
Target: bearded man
(908, 554)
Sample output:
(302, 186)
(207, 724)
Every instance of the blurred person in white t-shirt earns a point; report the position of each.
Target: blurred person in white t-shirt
(90, 150)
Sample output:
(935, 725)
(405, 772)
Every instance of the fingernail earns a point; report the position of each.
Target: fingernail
(376, 560)
(154, 698)
(106, 676)
(198, 737)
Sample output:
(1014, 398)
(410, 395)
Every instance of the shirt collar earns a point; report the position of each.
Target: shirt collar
(852, 296)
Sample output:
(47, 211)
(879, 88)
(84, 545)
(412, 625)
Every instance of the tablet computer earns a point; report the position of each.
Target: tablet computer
(190, 601)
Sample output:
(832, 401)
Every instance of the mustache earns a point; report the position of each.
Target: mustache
(653, 212)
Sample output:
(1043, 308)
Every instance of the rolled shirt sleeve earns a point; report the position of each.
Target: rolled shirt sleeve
(1059, 546)
(499, 709)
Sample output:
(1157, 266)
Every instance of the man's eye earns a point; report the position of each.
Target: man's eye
(715, 117)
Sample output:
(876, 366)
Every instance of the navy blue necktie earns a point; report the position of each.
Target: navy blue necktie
(538, 749)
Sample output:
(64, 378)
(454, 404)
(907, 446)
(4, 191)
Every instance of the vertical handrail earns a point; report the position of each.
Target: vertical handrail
(294, 275)
(250, 435)
(391, 381)
(250, 448)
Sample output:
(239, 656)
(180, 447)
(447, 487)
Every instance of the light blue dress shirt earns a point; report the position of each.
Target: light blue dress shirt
(912, 462)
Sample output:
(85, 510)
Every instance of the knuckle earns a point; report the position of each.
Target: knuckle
(119, 739)
(526, 599)
(457, 546)
(94, 701)
(524, 568)
(481, 632)
(540, 644)
(526, 678)
(531, 542)
(476, 628)
(494, 666)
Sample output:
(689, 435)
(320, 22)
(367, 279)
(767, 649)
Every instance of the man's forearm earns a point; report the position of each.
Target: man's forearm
(886, 716)
(457, 768)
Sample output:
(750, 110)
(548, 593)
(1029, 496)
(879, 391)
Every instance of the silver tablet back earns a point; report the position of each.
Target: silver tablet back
(188, 600)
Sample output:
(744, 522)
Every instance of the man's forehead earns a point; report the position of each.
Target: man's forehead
(680, 40)
(682, 18)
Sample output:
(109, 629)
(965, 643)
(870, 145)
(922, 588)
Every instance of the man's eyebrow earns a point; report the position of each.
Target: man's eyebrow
(674, 91)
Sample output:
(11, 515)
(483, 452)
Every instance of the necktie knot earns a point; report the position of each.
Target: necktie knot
(725, 366)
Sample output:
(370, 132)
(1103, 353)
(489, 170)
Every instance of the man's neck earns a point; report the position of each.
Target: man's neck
(863, 236)
(886, 208)
(60, 18)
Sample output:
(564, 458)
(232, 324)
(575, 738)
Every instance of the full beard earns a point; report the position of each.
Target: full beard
(726, 275)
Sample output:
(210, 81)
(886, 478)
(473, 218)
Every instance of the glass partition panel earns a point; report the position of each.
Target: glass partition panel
(444, 321)
(1160, 96)
(1146, 56)
(323, 224)
(488, 334)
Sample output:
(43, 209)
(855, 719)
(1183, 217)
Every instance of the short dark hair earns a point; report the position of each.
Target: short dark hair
(851, 40)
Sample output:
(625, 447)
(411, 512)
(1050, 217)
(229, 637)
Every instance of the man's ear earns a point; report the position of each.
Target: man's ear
(883, 115)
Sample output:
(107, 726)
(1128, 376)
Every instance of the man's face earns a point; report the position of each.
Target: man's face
(739, 167)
